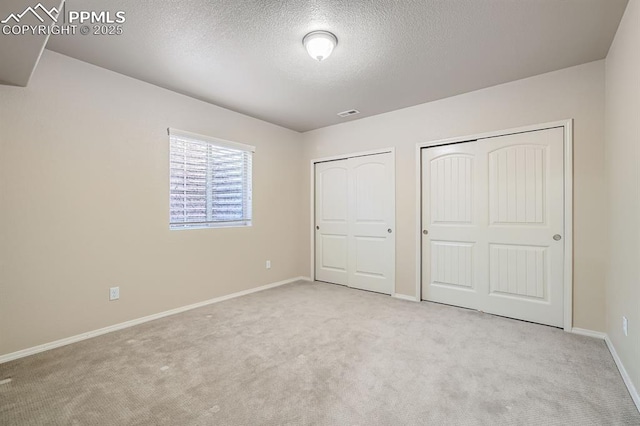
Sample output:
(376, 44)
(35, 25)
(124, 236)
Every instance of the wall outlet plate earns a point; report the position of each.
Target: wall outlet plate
(114, 293)
(625, 326)
(268, 264)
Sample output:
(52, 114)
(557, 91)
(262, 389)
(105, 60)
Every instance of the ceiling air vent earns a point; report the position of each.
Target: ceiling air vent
(348, 113)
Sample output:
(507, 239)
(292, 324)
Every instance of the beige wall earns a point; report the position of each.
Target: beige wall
(83, 167)
(576, 92)
(623, 166)
(84, 204)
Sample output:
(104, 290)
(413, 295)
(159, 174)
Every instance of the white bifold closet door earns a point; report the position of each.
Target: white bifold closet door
(493, 225)
(355, 219)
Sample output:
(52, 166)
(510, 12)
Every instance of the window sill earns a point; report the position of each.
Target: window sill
(211, 225)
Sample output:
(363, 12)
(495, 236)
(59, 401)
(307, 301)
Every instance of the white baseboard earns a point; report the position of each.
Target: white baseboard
(623, 372)
(89, 334)
(590, 333)
(405, 297)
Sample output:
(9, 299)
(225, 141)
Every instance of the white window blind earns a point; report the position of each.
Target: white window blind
(210, 181)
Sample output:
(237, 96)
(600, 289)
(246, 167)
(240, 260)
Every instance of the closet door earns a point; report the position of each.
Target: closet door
(331, 221)
(493, 225)
(453, 214)
(355, 221)
(526, 226)
(371, 223)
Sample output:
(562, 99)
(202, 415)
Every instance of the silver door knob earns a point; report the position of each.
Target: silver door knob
(425, 232)
(557, 237)
(389, 230)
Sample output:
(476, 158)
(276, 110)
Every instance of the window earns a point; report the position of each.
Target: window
(210, 182)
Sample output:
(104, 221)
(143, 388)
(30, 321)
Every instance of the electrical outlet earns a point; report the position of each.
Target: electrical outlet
(268, 264)
(625, 326)
(114, 293)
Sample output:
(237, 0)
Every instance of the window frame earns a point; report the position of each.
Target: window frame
(247, 183)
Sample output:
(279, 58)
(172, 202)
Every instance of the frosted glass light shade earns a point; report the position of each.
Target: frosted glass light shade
(319, 44)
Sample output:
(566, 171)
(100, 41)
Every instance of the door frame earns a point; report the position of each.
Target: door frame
(567, 126)
(312, 202)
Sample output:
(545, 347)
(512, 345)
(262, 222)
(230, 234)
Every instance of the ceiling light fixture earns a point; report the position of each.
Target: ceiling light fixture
(319, 44)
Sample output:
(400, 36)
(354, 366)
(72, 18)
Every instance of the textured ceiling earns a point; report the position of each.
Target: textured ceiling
(248, 55)
(19, 54)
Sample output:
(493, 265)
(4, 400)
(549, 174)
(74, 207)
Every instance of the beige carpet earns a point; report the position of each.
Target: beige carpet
(313, 353)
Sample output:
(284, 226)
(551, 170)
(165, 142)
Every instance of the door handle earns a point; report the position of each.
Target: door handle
(425, 232)
(317, 227)
(389, 230)
(557, 237)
